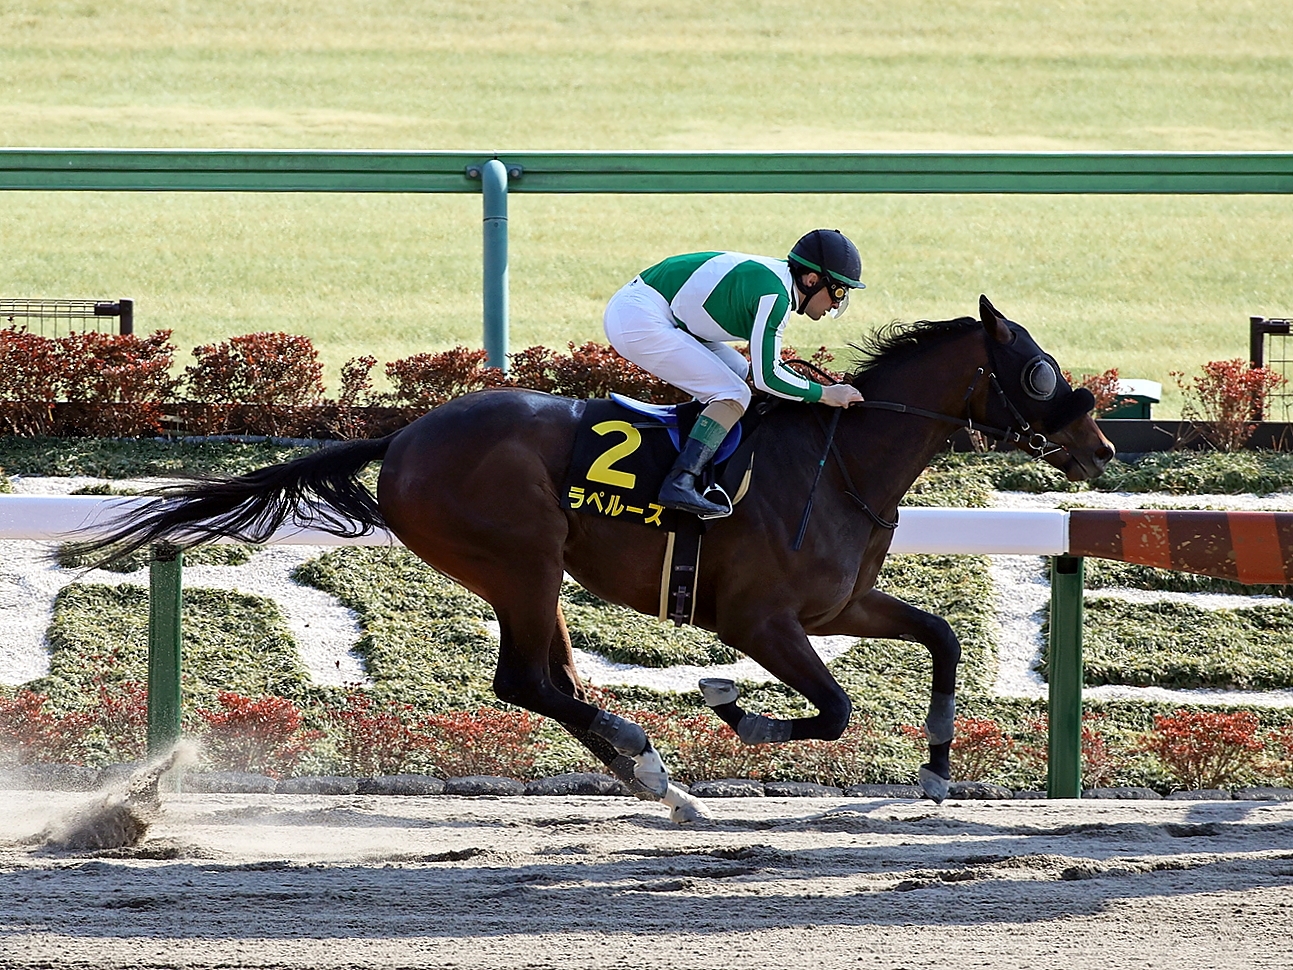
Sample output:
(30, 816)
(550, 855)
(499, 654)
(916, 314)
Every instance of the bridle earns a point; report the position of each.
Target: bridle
(1023, 436)
(1033, 442)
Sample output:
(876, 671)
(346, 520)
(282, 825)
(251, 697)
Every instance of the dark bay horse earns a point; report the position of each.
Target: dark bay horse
(473, 488)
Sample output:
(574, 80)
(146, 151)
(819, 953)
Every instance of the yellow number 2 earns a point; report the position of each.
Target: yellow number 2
(602, 469)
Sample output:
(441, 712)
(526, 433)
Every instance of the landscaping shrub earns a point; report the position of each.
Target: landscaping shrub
(700, 747)
(30, 732)
(263, 735)
(1104, 763)
(424, 381)
(114, 384)
(486, 741)
(592, 370)
(1223, 402)
(255, 383)
(1206, 749)
(373, 740)
(123, 380)
(981, 749)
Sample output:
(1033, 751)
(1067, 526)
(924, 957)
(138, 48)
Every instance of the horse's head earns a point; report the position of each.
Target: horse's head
(1028, 392)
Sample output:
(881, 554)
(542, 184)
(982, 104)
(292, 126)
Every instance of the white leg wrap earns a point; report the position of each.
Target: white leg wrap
(682, 807)
(651, 772)
(718, 691)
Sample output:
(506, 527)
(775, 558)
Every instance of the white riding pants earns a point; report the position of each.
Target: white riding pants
(641, 328)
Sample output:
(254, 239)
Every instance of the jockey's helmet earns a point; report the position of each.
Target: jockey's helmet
(830, 253)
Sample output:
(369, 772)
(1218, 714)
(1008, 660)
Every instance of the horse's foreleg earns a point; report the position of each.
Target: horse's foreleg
(877, 614)
(780, 645)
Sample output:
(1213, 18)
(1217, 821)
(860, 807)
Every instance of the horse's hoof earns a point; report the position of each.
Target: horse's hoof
(682, 807)
(934, 785)
(718, 691)
(651, 773)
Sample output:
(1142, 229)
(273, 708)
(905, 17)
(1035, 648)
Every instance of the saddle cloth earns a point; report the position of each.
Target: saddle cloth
(623, 450)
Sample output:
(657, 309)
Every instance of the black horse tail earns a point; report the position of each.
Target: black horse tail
(321, 490)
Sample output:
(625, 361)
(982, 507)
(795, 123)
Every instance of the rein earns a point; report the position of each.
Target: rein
(1036, 444)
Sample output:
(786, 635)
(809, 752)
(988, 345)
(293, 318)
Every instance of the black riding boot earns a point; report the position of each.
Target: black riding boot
(679, 488)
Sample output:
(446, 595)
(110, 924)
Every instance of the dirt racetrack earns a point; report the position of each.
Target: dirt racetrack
(323, 882)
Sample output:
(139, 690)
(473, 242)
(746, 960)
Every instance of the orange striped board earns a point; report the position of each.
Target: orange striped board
(1249, 547)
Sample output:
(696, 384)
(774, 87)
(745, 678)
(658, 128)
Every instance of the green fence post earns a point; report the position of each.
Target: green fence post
(1064, 755)
(493, 178)
(165, 603)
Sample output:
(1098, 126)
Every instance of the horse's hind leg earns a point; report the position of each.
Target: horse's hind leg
(561, 668)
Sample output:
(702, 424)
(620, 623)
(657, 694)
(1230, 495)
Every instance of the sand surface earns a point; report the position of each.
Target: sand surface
(324, 882)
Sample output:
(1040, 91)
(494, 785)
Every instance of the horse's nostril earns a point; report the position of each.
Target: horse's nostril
(1105, 454)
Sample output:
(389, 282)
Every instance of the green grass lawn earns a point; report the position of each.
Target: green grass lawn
(1144, 284)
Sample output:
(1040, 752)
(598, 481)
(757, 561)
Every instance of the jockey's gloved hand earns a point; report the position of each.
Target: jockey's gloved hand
(840, 395)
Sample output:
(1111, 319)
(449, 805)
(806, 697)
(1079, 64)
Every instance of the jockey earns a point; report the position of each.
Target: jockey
(674, 320)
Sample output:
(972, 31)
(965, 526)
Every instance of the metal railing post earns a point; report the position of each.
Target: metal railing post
(1064, 749)
(165, 606)
(493, 177)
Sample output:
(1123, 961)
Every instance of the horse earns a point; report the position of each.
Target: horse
(473, 488)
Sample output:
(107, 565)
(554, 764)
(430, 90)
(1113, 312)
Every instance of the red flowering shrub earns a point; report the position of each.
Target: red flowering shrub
(28, 732)
(1103, 387)
(1205, 749)
(126, 379)
(278, 373)
(1224, 401)
(31, 382)
(483, 742)
(841, 763)
(592, 370)
(263, 735)
(980, 748)
(426, 380)
(1102, 764)
(374, 741)
(699, 747)
(256, 368)
(1282, 740)
(117, 726)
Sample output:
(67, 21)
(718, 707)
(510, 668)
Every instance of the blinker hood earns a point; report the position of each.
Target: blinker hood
(1069, 408)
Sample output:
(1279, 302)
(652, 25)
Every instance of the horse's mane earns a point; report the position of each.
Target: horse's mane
(898, 341)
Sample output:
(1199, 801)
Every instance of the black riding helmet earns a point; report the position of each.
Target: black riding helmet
(832, 255)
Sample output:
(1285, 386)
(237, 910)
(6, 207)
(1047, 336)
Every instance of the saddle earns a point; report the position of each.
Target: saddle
(623, 450)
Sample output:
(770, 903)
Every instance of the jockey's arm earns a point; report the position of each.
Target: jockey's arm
(772, 375)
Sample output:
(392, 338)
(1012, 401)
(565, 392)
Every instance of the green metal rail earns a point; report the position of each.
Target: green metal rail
(221, 170)
(495, 175)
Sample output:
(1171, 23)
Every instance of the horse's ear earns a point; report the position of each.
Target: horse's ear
(994, 322)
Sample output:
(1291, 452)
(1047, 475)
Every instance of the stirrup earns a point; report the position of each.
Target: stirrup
(722, 499)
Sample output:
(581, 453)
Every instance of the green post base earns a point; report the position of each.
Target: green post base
(165, 603)
(1064, 754)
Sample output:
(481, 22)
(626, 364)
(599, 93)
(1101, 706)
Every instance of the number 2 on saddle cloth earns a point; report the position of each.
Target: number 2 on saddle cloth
(624, 449)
